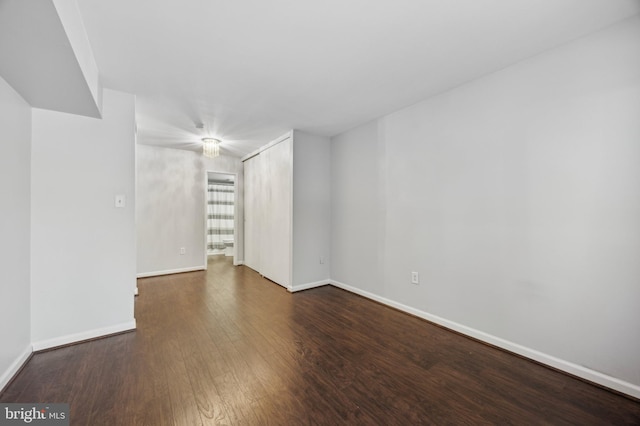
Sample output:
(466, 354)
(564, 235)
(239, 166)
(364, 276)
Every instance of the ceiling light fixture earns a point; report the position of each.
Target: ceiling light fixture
(210, 147)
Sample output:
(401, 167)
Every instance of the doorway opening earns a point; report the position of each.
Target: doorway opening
(220, 215)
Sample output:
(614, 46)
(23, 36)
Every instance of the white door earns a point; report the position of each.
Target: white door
(275, 240)
(252, 208)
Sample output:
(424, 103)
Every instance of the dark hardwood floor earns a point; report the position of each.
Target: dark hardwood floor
(228, 347)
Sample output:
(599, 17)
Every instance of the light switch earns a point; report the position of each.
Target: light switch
(120, 201)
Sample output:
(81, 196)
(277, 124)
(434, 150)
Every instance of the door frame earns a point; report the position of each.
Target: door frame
(235, 214)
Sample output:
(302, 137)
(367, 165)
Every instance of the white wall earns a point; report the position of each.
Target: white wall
(15, 187)
(357, 208)
(170, 207)
(517, 199)
(82, 247)
(311, 208)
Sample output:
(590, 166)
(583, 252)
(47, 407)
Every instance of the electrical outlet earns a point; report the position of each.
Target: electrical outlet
(415, 278)
(183, 250)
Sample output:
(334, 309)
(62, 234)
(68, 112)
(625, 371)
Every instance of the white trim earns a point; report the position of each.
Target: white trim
(237, 262)
(282, 138)
(170, 271)
(566, 366)
(307, 286)
(205, 219)
(85, 335)
(135, 293)
(15, 366)
(291, 215)
(236, 215)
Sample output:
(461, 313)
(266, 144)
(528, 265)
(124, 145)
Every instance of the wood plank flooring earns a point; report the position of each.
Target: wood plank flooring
(228, 347)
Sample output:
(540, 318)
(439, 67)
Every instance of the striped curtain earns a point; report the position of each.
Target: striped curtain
(220, 210)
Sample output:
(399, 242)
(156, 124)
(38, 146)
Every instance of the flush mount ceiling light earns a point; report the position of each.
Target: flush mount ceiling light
(210, 147)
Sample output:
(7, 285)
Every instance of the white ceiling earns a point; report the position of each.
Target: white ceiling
(250, 70)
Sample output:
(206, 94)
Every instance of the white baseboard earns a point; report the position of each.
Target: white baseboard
(170, 271)
(85, 335)
(238, 262)
(566, 366)
(307, 286)
(15, 366)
